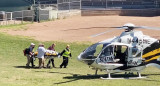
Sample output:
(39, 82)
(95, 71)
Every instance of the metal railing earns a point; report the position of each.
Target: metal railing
(69, 5)
(123, 4)
(16, 17)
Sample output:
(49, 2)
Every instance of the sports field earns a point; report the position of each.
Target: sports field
(74, 31)
(80, 28)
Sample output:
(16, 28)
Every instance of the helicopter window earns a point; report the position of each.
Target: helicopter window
(93, 50)
(134, 51)
(139, 55)
(107, 52)
(98, 49)
(121, 49)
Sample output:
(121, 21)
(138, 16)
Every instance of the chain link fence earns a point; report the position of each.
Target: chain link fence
(120, 4)
(19, 17)
(68, 8)
(16, 17)
(69, 4)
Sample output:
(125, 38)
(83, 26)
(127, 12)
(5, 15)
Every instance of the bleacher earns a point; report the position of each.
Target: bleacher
(120, 7)
(124, 4)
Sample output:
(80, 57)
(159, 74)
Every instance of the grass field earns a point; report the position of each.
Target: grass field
(14, 73)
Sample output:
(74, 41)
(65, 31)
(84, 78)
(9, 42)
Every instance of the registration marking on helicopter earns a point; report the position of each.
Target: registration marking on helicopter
(140, 41)
(107, 59)
(131, 62)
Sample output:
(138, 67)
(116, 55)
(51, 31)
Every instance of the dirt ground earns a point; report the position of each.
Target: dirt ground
(79, 28)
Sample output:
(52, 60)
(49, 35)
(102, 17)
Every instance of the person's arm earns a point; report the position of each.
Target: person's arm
(44, 50)
(70, 55)
(30, 51)
(62, 52)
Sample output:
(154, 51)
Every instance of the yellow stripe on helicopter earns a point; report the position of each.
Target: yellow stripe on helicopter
(153, 58)
(154, 52)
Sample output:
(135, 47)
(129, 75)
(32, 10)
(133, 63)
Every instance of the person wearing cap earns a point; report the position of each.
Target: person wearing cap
(66, 53)
(41, 53)
(52, 47)
(29, 55)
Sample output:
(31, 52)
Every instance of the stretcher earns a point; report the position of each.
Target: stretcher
(48, 55)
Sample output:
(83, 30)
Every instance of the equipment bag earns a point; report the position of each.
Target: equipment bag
(26, 51)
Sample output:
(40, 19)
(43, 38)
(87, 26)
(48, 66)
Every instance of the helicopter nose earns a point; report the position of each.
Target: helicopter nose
(79, 57)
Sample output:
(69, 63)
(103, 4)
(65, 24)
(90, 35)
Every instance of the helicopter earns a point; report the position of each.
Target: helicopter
(132, 51)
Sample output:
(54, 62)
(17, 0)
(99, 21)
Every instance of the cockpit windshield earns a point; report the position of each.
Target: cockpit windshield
(92, 52)
(95, 49)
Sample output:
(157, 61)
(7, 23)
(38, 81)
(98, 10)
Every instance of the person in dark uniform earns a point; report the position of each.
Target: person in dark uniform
(52, 59)
(66, 53)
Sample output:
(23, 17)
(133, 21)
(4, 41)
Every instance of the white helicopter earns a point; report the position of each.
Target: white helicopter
(132, 51)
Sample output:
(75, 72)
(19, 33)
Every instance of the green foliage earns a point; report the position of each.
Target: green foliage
(14, 73)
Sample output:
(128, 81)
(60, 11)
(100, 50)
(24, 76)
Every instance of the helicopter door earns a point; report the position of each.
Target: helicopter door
(120, 53)
(106, 55)
(134, 58)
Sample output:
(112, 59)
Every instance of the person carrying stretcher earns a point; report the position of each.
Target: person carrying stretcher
(52, 48)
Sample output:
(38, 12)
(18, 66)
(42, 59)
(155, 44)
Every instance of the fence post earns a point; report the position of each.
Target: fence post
(6, 18)
(80, 4)
(11, 15)
(57, 4)
(22, 18)
(106, 4)
(69, 5)
(39, 15)
(32, 16)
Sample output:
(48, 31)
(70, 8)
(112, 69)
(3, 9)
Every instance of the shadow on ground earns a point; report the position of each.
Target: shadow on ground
(84, 28)
(76, 77)
(26, 67)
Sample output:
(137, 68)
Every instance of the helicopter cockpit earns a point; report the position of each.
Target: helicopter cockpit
(91, 53)
(104, 52)
(113, 54)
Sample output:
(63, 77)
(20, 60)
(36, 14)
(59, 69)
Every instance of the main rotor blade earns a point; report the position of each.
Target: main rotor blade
(153, 28)
(114, 27)
(102, 33)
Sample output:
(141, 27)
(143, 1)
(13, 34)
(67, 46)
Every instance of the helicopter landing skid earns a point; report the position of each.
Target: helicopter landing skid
(123, 78)
(110, 78)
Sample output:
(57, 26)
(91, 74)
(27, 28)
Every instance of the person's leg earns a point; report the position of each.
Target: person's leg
(40, 62)
(62, 62)
(43, 62)
(52, 60)
(28, 60)
(66, 62)
(32, 61)
(48, 64)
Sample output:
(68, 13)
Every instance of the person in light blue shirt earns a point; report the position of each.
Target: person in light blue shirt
(41, 53)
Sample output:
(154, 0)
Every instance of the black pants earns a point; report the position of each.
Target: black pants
(65, 62)
(32, 61)
(51, 60)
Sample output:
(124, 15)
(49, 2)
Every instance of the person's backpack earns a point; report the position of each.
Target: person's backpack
(26, 51)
